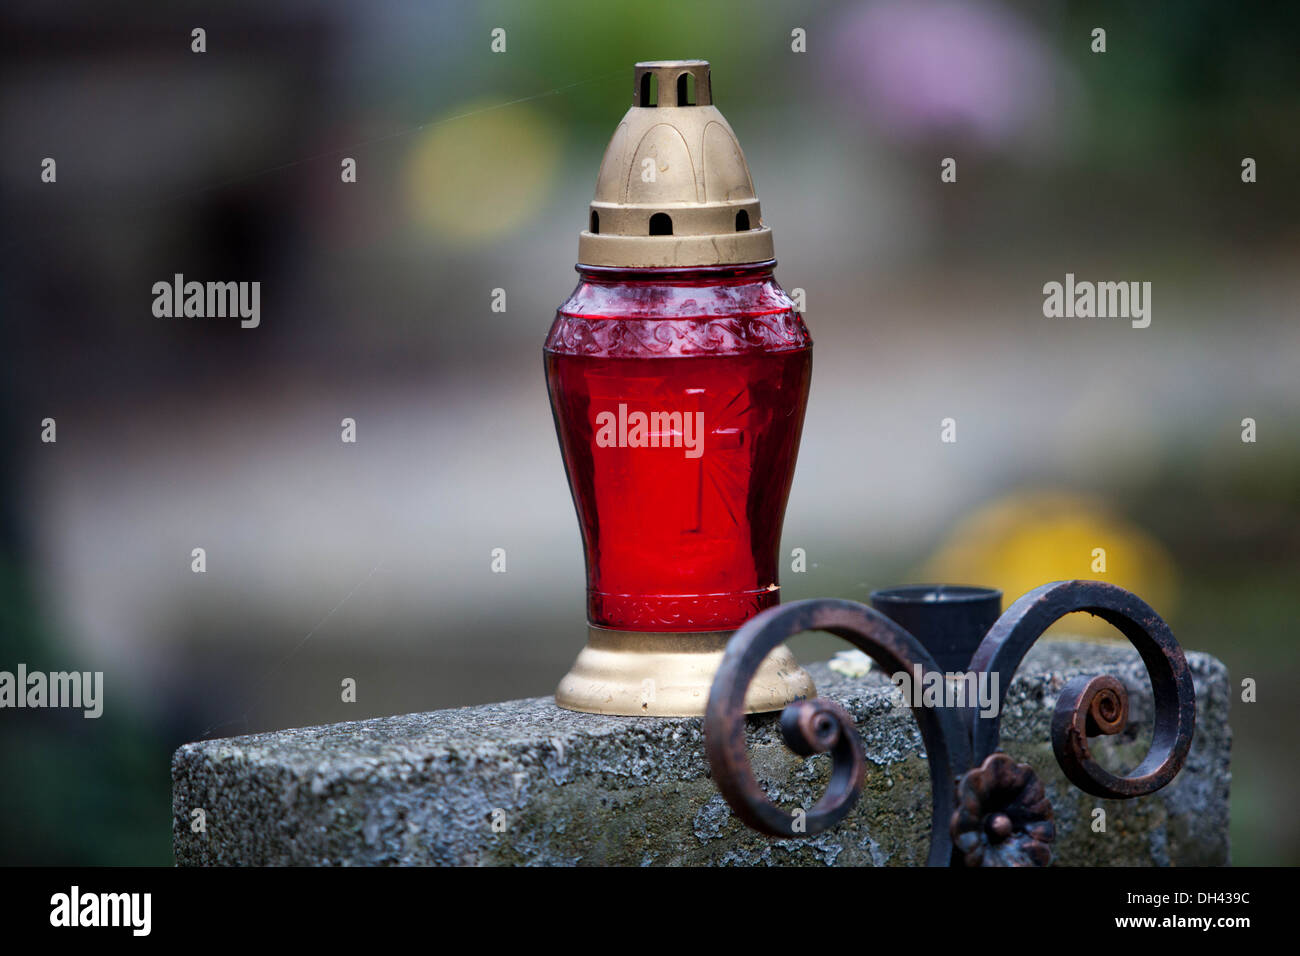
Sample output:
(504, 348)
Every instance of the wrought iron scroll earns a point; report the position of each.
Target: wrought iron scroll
(986, 808)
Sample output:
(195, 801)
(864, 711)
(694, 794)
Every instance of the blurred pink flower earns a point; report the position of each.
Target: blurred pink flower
(926, 67)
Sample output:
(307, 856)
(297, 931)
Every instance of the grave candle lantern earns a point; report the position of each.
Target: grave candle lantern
(678, 373)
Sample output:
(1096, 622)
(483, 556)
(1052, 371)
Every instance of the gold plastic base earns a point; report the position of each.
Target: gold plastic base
(650, 674)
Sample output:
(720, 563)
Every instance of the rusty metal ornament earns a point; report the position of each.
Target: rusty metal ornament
(1003, 816)
(986, 808)
(822, 726)
(1101, 703)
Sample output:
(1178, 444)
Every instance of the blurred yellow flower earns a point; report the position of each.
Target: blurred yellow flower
(1028, 539)
(482, 170)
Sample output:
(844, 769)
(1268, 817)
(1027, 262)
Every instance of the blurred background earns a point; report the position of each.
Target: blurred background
(371, 560)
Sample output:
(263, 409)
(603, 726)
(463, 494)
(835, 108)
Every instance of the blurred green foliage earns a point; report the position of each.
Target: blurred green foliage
(75, 791)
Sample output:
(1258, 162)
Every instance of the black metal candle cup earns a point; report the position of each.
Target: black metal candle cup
(950, 620)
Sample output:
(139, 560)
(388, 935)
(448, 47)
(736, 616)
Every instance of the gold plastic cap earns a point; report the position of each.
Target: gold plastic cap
(674, 188)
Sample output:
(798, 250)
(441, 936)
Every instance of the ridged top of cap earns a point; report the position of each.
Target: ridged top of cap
(674, 188)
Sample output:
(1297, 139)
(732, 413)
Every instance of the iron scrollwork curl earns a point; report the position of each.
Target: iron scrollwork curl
(821, 726)
(1090, 705)
(985, 806)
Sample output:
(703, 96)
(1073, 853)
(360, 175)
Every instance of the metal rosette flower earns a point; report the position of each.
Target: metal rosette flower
(1003, 816)
(822, 726)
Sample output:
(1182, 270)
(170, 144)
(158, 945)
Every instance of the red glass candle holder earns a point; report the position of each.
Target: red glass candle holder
(678, 389)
